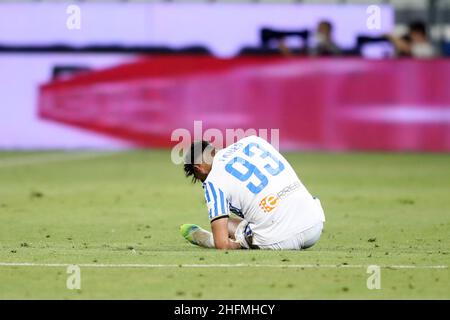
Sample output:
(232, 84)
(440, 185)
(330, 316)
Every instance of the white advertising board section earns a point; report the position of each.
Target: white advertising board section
(224, 28)
(20, 126)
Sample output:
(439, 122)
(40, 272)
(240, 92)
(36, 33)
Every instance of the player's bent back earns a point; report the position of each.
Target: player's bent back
(253, 180)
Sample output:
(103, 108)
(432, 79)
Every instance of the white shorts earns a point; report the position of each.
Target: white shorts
(302, 240)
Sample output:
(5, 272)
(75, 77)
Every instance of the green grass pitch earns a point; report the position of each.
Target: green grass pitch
(382, 209)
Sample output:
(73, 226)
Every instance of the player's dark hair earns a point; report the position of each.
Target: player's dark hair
(194, 156)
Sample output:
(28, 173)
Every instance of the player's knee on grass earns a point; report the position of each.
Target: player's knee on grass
(241, 236)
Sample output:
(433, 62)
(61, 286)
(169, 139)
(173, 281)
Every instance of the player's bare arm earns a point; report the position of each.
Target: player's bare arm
(221, 237)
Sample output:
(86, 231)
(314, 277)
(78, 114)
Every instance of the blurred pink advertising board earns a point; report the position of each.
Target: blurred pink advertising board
(320, 104)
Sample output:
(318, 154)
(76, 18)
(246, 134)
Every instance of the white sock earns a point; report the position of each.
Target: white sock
(203, 238)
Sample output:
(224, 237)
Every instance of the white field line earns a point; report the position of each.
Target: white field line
(238, 265)
(52, 158)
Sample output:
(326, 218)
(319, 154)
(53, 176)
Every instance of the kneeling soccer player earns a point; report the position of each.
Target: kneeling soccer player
(271, 208)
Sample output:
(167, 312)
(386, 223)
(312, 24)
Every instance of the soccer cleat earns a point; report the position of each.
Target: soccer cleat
(187, 231)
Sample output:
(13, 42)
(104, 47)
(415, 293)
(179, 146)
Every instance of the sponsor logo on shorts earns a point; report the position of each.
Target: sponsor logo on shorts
(271, 201)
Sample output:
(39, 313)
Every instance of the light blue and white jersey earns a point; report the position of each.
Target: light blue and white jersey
(218, 205)
(253, 180)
